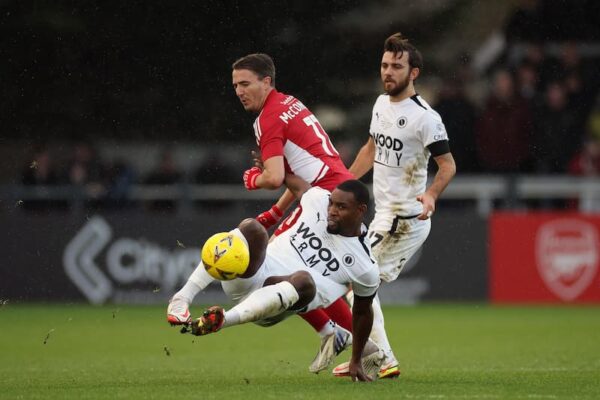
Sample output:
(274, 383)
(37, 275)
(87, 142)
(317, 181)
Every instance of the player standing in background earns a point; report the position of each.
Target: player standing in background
(291, 140)
(404, 132)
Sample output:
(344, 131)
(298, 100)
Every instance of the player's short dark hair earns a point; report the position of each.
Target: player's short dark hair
(259, 63)
(399, 44)
(356, 187)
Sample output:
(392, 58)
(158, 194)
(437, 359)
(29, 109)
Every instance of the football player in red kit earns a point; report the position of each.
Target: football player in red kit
(292, 140)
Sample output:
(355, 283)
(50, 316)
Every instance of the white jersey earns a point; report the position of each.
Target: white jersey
(307, 245)
(334, 261)
(401, 132)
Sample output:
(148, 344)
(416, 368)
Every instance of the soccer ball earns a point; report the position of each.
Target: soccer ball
(225, 256)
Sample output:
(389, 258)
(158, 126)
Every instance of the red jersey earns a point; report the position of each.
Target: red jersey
(285, 127)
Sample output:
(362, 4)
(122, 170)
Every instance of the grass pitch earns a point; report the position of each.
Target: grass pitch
(446, 352)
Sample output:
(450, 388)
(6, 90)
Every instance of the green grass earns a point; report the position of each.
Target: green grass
(446, 352)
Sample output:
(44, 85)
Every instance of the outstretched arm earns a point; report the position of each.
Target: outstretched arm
(362, 322)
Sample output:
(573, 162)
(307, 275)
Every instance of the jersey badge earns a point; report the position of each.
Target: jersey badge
(348, 260)
(401, 122)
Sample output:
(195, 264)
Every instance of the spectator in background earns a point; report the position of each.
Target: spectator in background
(166, 173)
(458, 114)
(527, 80)
(581, 82)
(586, 161)
(40, 172)
(557, 134)
(503, 131)
(120, 176)
(84, 169)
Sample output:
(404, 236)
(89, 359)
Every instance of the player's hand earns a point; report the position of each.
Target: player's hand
(270, 217)
(428, 205)
(250, 176)
(257, 159)
(356, 372)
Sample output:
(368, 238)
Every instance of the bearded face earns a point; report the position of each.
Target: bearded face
(395, 73)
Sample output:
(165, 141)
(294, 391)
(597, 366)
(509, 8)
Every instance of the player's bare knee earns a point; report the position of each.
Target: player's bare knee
(252, 227)
(305, 286)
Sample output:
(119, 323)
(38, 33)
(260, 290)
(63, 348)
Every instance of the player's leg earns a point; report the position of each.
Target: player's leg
(256, 238)
(339, 338)
(178, 310)
(392, 250)
(320, 321)
(324, 320)
(278, 295)
(339, 311)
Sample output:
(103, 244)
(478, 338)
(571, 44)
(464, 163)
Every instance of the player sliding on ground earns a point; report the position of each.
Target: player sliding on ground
(307, 267)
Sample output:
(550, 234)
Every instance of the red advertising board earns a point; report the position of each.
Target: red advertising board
(544, 258)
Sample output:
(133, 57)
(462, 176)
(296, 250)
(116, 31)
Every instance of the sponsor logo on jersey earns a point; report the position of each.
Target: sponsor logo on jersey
(401, 122)
(442, 133)
(567, 256)
(293, 110)
(287, 100)
(313, 251)
(388, 149)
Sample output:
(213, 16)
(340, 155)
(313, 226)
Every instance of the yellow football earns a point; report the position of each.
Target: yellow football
(225, 256)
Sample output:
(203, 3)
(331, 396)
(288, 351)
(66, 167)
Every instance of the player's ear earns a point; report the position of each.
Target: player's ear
(362, 208)
(414, 73)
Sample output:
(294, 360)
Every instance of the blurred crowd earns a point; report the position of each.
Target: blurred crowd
(540, 114)
(107, 184)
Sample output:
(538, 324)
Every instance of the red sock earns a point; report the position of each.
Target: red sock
(340, 313)
(316, 318)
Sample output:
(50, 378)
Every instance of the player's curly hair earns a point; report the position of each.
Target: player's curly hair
(259, 63)
(356, 187)
(399, 44)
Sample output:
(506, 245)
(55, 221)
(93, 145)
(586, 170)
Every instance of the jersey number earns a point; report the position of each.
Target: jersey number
(289, 221)
(378, 238)
(312, 121)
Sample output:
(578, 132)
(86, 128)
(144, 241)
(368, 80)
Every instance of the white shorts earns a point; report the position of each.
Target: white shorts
(327, 290)
(394, 240)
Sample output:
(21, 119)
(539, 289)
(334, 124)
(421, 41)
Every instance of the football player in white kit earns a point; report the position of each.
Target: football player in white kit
(308, 266)
(405, 131)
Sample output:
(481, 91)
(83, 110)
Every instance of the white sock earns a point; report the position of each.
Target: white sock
(328, 329)
(378, 334)
(268, 301)
(198, 280)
